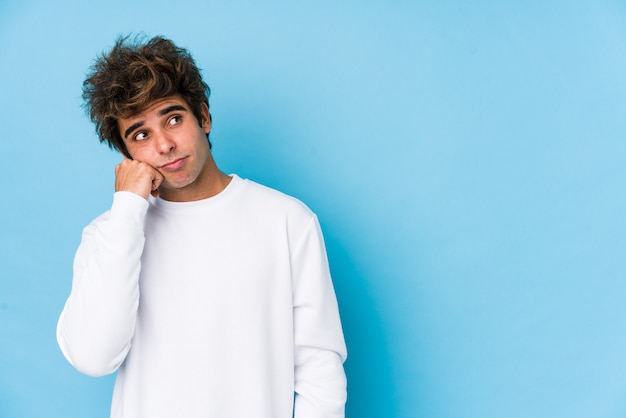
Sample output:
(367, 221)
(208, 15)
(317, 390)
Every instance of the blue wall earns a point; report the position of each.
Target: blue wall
(467, 162)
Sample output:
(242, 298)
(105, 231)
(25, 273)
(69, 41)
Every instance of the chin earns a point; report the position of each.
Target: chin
(176, 185)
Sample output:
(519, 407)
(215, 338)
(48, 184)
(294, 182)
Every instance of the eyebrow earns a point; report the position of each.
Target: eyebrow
(162, 112)
(132, 128)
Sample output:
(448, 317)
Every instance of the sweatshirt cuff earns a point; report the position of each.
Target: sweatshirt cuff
(128, 207)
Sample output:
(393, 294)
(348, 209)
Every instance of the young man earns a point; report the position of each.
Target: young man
(210, 294)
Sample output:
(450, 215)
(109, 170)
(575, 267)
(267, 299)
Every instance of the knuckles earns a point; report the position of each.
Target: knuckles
(136, 176)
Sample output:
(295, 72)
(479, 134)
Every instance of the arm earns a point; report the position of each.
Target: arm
(320, 381)
(98, 321)
(96, 326)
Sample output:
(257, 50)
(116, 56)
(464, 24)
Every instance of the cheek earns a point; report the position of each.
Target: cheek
(205, 151)
(140, 154)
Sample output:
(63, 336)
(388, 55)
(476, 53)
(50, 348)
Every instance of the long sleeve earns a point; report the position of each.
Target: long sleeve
(96, 326)
(320, 381)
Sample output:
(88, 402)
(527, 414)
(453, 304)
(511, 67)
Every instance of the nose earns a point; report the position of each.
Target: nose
(164, 143)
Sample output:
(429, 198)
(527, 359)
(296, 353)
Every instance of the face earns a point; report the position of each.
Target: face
(167, 136)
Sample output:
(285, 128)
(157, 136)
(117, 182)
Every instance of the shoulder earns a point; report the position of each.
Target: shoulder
(277, 210)
(269, 198)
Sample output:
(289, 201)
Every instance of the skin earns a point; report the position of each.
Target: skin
(171, 154)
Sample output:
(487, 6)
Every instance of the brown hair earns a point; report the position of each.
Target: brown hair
(134, 74)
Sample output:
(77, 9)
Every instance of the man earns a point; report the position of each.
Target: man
(210, 294)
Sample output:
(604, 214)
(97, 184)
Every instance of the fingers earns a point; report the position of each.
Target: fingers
(137, 177)
(156, 182)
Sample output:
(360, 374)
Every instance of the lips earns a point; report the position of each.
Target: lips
(173, 165)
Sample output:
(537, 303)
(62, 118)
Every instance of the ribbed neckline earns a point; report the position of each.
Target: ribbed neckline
(198, 205)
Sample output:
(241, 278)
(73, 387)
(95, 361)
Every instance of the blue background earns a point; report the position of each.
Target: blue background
(466, 160)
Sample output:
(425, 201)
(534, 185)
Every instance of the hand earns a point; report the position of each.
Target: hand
(137, 177)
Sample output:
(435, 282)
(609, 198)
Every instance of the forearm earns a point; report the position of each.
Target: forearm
(320, 384)
(319, 377)
(97, 323)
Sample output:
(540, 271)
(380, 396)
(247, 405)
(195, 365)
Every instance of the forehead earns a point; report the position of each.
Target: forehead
(158, 105)
(154, 109)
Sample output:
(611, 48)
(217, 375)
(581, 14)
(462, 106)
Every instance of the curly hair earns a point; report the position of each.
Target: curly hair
(133, 74)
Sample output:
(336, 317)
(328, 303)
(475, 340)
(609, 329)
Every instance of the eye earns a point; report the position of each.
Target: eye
(140, 136)
(175, 120)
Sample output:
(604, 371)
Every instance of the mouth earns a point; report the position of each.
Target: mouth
(173, 165)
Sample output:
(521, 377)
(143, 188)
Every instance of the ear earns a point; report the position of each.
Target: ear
(206, 118)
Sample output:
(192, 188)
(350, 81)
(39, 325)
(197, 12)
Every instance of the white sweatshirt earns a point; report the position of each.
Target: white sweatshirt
(218, 308)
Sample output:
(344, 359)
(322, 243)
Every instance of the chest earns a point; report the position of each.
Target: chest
(207, 267)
